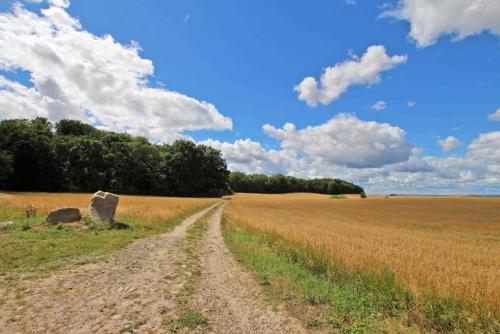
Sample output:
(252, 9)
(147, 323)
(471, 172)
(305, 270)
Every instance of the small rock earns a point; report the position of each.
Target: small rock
(63, 215)
(103, 206)
(7, 223)
(116, 317)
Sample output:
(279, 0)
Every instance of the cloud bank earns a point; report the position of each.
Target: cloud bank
(375, 155)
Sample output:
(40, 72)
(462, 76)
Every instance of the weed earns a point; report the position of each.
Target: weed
(192, 319)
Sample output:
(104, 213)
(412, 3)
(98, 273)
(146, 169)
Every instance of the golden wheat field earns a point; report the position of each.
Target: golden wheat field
(150, 208)
(450, 244)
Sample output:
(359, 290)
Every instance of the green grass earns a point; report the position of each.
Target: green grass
(28, 247)
(325, 294)
(192, 320)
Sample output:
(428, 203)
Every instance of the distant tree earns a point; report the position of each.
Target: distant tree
(193, 170)
(5, 166)
(259, 183)
(33, 159)
(69, 127)
(88, 165)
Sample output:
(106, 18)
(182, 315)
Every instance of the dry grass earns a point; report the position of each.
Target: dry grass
(150, 208)
(451, 244)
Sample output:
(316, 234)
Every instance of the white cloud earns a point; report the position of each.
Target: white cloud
(471, 173)
(411, 104)
(56, 3)
(379, 105)
(430, 19)
(495, 116)
(335, 80)
(486, 147)
(351, 2)
(449, 143)
(347, 141)
(75, 74)
(248, 156)
(60, 3)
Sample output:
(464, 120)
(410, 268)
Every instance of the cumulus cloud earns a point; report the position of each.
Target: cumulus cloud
(76, 74)
(486, 147)
(248, 156)
(431, 19)
(347, 141)
(449, 143)
(335, 80)
(379, 105)
(495, 117)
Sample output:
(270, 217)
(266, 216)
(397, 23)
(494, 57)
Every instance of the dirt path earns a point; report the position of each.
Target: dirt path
(228, 296)
(135, 289)
(126, 292)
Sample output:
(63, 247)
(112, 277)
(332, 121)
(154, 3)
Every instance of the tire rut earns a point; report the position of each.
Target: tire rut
(229, 297)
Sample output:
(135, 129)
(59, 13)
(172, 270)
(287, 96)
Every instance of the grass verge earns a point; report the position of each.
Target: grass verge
(29, 245)
(326, 295)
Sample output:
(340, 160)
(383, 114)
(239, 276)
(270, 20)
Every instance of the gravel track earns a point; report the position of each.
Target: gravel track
(134, 289)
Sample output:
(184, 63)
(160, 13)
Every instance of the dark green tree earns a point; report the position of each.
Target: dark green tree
(5, 166)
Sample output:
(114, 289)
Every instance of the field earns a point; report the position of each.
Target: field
(442, 248)
(29, 244)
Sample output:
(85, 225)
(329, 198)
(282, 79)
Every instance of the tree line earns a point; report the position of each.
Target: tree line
(72, 156)
(276, 184)
(36, 155)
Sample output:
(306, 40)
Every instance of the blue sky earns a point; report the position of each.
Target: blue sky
(245, 58)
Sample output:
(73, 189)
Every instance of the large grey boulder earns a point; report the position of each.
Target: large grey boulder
(103, 206)
(63, 215)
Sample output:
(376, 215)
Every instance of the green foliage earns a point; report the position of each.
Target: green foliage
(362, 195)
(347, 301)
(277, 184)
(5, 166)
(77, 157)
(192, 320)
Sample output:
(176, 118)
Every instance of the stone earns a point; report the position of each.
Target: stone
(103, 206)
(7, 223)
(63, 215)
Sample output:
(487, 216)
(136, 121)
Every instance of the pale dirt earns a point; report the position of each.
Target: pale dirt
(229, 297)
(133, 291)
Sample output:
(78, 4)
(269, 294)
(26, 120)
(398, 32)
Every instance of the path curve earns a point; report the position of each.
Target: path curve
(229, 297)
(124, 292)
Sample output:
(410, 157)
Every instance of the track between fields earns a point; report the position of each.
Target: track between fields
(134, 289)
